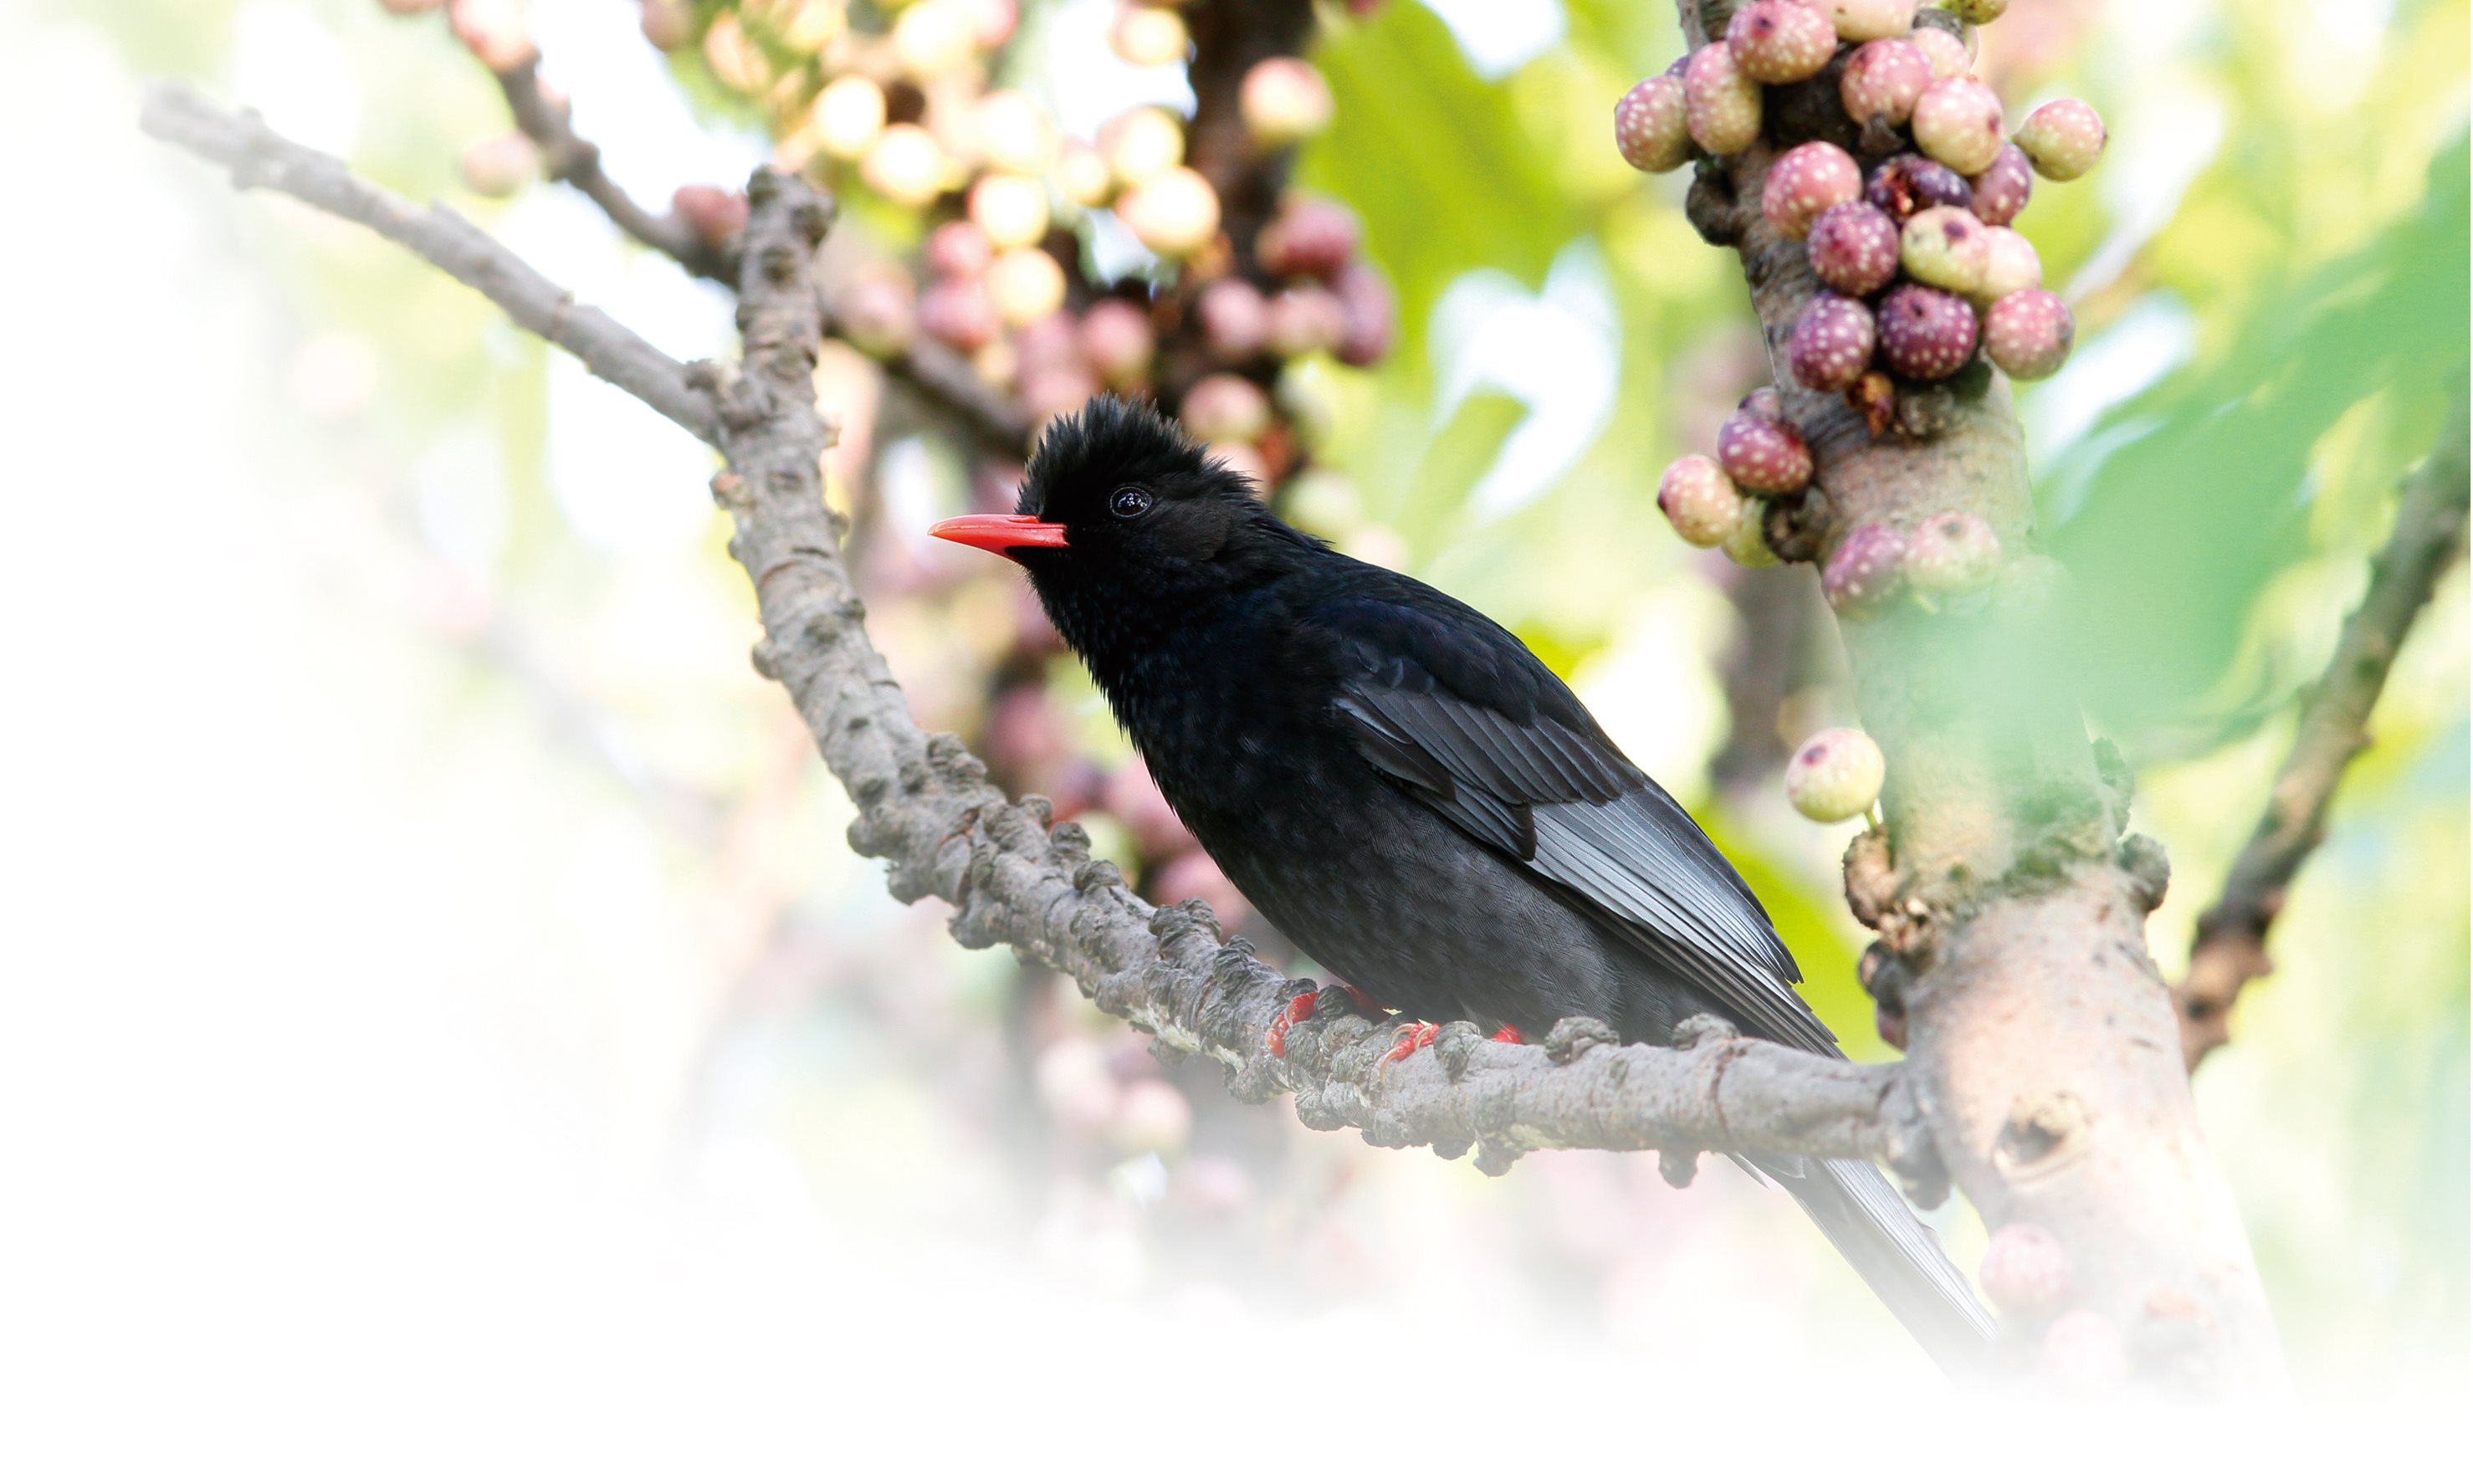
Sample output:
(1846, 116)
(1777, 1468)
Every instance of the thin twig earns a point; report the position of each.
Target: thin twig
(2230, 948)
(568, 158)
(943, 378)
(926, 805)
(260, 158)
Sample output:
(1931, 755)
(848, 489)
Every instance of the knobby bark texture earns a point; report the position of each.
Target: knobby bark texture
(927, 808)
(2040, 1035)
(2230, 948)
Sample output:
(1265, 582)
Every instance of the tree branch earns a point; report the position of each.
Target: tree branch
(260, 158)
(570, 158)
(926, 805)
(2230, 948)
(2040, 1036)
(939, 374)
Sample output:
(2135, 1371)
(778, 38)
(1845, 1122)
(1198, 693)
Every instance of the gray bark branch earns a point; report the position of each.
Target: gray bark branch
(2040, 1035)
(927, 808)
(261, 159)
(2231, 947)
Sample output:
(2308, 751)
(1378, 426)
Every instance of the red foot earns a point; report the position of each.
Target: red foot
(1414, 1037)
(1510, 1036)
(1366, 1004)
(1301, 1008)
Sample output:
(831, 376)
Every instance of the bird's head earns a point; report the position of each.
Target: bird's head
(1125, 524)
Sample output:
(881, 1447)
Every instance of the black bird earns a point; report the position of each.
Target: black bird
(1401, 787)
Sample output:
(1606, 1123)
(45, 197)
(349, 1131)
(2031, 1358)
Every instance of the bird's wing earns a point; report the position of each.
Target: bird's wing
(1457, 710)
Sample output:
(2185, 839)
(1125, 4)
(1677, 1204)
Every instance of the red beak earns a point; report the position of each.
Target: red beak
(1003, 534)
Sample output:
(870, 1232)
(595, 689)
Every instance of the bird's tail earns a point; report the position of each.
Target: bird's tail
(1896, 1256)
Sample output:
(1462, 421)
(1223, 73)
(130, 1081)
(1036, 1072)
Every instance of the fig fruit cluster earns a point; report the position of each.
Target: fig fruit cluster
(978, 206)
(1920, 271)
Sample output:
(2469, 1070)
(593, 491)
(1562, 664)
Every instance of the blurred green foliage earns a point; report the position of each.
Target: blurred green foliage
(2198, 491)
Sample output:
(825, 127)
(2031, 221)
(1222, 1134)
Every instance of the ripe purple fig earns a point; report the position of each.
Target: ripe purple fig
(2063, 139)
(1649, 126)
(1883, 79)
(1763, 455)
(1780, 40)
(1866, 572)
(2026, 1271)
(1953, 552)
(2001, 189)
(1905, 185)
(1722, 105)
(1703, 504)
(1945, 247)
(1765, 402)
(1835, 774)
(1853, 248)
(1832, 343)
(2029, 333)
(1926, 334)
(1957, 122)
(1805, 182)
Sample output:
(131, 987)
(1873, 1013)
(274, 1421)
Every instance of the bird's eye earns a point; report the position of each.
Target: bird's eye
(1127, 503)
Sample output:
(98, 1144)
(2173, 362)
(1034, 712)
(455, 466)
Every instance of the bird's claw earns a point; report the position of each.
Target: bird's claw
(1414, 1037)
(1299, 1007)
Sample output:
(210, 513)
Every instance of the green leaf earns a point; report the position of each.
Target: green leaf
(2198, 492)
(1435, 162)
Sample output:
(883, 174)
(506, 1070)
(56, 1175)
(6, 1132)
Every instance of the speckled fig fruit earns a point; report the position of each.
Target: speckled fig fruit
(1805, 182)
(1781, 41)
(1957, 122)
(1926, 334)
(1700, 501)
(1853, 248)
(1764, 455)
(1832, 343)
(1835, 774)
(2029, 333)
(1722, 105)
(1651, 128)
(2063, 139)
